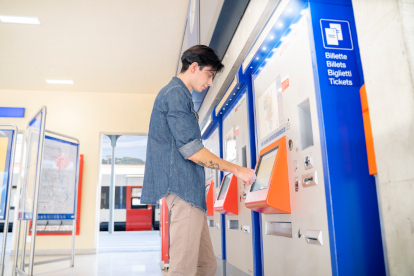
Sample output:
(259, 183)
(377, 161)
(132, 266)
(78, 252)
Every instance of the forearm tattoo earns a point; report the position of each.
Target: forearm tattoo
(211, 165)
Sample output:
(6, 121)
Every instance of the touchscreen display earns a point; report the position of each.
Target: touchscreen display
(225, 186)
(264, 170)
(207, 188)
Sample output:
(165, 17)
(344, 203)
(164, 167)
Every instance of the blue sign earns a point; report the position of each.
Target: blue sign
(15, 112)
(336, 34)
(340, 59)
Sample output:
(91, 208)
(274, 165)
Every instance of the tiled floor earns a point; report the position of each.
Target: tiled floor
(122, 253)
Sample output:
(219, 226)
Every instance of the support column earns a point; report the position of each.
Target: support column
(113, 138)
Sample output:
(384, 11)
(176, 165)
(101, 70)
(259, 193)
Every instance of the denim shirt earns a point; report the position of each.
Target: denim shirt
(174, 135)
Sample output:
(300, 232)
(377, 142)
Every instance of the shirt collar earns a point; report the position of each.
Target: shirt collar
(180, 82)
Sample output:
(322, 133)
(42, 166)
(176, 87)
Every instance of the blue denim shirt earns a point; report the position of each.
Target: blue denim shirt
(174, 135)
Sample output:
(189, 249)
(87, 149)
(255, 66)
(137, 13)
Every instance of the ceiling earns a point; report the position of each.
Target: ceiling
(103, 46)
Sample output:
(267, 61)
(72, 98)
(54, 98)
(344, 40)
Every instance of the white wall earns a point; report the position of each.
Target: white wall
(386, 40)
(85, 116)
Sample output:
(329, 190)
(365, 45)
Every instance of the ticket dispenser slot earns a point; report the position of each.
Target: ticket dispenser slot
(269, 194)
(226, 202)
(210, 198)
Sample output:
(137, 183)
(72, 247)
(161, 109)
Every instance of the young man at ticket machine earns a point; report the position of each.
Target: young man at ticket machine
(175, 161)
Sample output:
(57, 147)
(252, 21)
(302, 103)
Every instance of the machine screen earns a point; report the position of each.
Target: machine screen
(264, 170)
(207, 188)
(224, 187)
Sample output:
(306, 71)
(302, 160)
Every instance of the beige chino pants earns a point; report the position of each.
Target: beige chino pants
(191, 251)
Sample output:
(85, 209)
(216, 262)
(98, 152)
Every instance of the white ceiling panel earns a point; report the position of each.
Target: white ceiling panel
(103, 46)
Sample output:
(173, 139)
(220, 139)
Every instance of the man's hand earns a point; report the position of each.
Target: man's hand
(248, 176)
(206, 159)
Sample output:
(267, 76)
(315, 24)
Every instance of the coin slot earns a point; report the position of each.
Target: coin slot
(245, 229)
(314, 237)
(308, 179)
(290, 143)
(308, 161)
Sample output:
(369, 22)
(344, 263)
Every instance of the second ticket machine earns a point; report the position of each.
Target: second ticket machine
(211, 142)
(232, 193)
(318, 202)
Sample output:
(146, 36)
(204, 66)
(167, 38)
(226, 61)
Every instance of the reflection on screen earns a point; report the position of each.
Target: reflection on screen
(224, 187)
(207, 188)
(264, 170)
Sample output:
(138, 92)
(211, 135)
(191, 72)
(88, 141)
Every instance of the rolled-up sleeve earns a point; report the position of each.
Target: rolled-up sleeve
(182, 123)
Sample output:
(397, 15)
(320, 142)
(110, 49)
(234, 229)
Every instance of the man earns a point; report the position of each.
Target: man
(175, 161)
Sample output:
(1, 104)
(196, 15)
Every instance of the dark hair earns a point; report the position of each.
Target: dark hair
(203, 55)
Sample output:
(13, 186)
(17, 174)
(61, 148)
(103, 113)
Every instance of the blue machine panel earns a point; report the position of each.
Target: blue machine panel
(351, 198)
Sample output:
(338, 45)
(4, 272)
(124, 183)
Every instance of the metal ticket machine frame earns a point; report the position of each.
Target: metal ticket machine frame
(211, 133)
(19, 269)
(242, 227)
(9, 188)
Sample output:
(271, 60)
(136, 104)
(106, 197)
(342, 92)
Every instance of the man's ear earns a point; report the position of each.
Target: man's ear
(193, 67)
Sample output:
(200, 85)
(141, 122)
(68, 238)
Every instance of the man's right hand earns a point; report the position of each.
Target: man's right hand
(247, 175)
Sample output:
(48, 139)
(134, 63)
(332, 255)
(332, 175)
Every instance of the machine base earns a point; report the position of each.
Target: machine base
(221, 267)
(234, 271)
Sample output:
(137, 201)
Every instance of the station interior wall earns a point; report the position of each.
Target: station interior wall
(386, 39)
(84, 116)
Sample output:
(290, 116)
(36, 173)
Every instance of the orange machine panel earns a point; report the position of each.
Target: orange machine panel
(138, 217)
(226, 202)
(270, 192)
(210, 197)
(372, 164)
(165, 244)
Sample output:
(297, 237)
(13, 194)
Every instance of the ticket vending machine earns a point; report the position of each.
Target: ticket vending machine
(211, 141)
(318, 203)
(227, 197)
(233, 110)
(138, 216)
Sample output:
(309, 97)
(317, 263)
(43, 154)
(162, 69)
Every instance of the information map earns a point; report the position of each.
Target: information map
(58, 180)
(6, 137)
